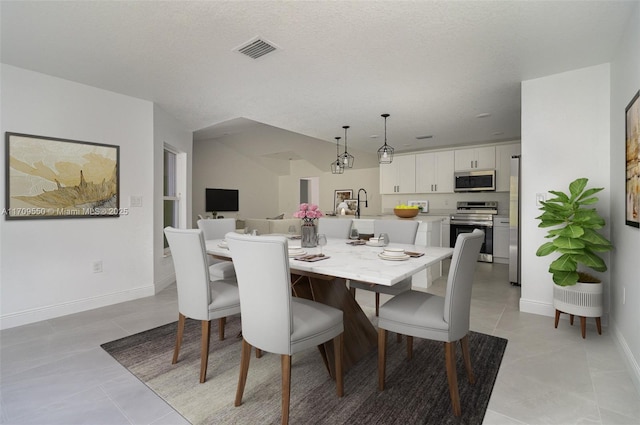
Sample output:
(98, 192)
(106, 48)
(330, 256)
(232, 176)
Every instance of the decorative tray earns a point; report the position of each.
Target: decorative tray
(312, 258)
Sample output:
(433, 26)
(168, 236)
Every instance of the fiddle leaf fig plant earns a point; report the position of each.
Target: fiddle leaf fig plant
(573, 233)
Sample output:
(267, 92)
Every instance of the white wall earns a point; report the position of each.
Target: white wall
(167, 130)
(625, 82)
(565, 135)
(265, 191)
(354, 179)
(215, 165)
(46, 264)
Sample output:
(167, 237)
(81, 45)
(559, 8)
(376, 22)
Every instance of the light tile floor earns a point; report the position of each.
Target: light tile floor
(54, 372)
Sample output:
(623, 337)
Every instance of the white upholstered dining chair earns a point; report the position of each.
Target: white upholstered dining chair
(216, 229)
(273, 320)
(446, 319)
(399, 231)
(199, 298)
(338, 228)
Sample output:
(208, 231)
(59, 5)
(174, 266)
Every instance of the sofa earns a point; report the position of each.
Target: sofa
(266, 226)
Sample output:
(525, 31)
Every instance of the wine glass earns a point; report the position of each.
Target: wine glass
(322, 241)
(354, 234)
(292, 230)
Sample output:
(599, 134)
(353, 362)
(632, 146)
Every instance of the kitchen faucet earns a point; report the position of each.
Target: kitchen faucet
(366, 202)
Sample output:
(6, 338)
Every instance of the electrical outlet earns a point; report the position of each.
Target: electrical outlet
(97, 266)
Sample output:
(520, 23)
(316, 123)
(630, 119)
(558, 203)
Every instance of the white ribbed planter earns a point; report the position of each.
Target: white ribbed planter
(581, 299)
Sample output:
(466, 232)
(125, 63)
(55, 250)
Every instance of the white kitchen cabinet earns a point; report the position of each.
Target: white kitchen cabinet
(399, 176)
(475, 158)
(434, 172)
(501, 240)
(503, 165)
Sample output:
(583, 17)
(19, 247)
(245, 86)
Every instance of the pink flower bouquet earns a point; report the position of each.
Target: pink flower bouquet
(308, 212)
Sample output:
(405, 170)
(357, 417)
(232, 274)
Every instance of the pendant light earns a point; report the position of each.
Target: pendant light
(346, 158)
(336, 166)
(385, 153)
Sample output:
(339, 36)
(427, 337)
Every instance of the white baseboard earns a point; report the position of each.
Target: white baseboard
(164, 282)
(547, 309)
(632, 364)
(537, 307)
(49, 312)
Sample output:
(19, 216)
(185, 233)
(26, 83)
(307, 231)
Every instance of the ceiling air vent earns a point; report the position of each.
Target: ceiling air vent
(256, 48)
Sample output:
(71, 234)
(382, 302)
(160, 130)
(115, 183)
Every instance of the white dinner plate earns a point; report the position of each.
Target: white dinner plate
(394, 257)
(296, 252)
(371, 243)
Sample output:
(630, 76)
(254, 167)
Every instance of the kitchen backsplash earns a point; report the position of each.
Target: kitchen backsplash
(446, 202)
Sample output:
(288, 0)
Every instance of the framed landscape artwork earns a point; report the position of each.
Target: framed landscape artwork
(339, 196)
(632, 155)
(57, 178)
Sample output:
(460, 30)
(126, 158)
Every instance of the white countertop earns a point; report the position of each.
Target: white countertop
(420, 217)
(357, 262)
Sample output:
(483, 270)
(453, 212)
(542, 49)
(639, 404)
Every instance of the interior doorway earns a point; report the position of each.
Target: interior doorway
(310, 190)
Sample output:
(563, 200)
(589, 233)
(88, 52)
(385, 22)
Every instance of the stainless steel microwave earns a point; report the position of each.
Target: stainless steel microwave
(475, 181)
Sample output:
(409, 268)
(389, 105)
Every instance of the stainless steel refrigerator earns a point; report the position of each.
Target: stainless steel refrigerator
(514, 221)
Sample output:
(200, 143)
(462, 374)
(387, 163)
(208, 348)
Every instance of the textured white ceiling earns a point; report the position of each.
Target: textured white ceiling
(432, 65)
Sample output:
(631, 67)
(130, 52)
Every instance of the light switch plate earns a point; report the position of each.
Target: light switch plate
(135, 201)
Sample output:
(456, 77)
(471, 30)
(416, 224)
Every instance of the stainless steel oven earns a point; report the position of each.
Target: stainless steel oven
(475, 215)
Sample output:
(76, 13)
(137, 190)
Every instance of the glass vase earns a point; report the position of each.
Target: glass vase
(309, 235)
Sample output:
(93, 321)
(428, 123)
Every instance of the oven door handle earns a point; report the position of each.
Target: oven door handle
(472, 223)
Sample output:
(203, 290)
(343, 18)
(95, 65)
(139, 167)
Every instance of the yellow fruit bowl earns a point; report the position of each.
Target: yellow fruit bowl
(406, 212)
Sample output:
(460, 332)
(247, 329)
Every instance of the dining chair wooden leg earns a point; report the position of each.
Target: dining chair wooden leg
(176, 351)
(583, 326)
(398, 338)
(450, 361)
(221, 324)
(204, 349)
(325, 359)
(409, 347)
(377, 303)
(599, 325)
(338, 352)
(557, 318)
(571, 319)
(382, 354)
(286, 387)
(245, 357)
(258, 353)
(466, 356)
(353, 292)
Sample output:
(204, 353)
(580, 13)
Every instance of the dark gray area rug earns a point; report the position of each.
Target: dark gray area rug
(416, 391)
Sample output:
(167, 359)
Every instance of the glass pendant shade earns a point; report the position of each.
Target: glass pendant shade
(346, 158)
(385, 153)
(336, 166)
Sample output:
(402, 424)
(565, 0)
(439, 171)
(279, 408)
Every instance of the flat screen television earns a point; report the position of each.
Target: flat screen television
(221, 200)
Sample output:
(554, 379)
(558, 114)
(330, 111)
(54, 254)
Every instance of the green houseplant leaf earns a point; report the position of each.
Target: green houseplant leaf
(572, 226)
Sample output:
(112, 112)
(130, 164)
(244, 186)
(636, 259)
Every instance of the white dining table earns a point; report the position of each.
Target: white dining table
(355, 262)
(325, 281)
